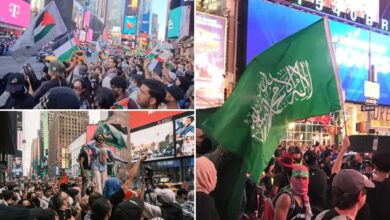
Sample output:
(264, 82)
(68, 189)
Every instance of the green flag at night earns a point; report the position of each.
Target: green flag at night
(294, 79)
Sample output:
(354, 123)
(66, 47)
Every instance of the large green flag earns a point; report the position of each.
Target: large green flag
(113, 137)
(294, 79)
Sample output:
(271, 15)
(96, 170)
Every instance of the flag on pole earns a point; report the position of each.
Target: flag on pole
(113, 137)
(294, 79)
(64, 46)
(45, 27)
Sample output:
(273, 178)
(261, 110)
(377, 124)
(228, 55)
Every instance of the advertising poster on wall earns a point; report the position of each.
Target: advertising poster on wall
(130, 24)
(210, 46)
(185, 136)
(145, 23)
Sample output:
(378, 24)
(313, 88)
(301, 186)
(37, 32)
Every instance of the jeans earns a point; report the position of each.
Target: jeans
(99, 177)
(85, 181)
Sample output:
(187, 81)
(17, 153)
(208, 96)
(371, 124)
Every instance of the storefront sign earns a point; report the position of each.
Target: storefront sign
(368, 108)
(16, 12)
(382, 114)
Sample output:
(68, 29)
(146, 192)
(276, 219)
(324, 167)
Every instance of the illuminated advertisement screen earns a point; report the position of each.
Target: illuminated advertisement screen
(185, 136)
(154, 139)
(130, 24)
(16, 12)
(210, 46)
(368, 13)
(174, 22)
(351, 45)
(145, 23)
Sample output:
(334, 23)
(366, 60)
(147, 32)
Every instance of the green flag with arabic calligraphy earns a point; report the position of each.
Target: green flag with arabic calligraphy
(294, 79)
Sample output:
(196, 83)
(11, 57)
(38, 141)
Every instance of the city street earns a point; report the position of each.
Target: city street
(8, 64)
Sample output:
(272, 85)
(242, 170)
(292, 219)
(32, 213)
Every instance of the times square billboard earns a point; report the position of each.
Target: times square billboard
(351, 45)
(210, 62)
(15, 12)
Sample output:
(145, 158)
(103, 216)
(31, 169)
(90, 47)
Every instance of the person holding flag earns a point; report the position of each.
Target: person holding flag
(290, 81)
(100, 153)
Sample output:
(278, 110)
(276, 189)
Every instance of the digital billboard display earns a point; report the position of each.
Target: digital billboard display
(130, 24)
(15, 12)
(145, 23)
(156, 140)
(365, 13)
(185, 136)
(210, 46)
(174, 22)
(351, 45)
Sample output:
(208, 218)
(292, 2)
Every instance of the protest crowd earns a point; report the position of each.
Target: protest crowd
(79, 198)
(317, 182)
(112, 82)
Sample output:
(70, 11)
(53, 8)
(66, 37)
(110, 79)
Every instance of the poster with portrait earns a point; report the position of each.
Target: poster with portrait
(185, 136)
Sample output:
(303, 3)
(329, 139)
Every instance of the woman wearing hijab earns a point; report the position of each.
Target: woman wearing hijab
(206, 181)
(293, 201)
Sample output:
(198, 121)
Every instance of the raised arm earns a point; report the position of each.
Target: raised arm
(132, 172)
(337, 164)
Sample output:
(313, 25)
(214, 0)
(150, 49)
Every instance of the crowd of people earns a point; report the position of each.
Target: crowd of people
(6, 45)
(318, 182)
(69, 199)
(114, 82)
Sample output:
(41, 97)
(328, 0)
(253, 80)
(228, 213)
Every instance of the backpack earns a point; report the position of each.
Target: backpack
(269, 206)
(172, 212)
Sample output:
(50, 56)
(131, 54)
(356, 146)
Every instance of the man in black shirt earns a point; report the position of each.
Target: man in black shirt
(85, 168)
(317, 183)
(19, 96)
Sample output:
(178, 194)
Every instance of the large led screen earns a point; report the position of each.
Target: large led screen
(185, 136)
(16, 12)
(155, 140)
(269, 23)
(210, 46)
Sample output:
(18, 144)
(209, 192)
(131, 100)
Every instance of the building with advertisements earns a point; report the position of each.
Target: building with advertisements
(180, 28)
(64, 128)
(14, 17)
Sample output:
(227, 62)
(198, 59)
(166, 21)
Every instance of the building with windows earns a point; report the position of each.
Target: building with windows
(64, 128)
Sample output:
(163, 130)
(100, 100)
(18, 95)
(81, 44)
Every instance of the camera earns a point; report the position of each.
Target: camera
(148, 176)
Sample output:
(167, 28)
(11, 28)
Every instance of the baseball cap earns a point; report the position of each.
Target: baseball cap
(351, 181)
(131, 209)
(57, 67)
(16, 82)
(167, 195)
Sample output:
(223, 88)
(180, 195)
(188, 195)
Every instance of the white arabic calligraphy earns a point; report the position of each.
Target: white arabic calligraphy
(276, 92)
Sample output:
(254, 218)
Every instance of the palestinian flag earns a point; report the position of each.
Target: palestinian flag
(43, 26)
(64, 46)
(122, 104)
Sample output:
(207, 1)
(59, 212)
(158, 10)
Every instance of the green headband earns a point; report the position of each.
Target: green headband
(299, 173)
